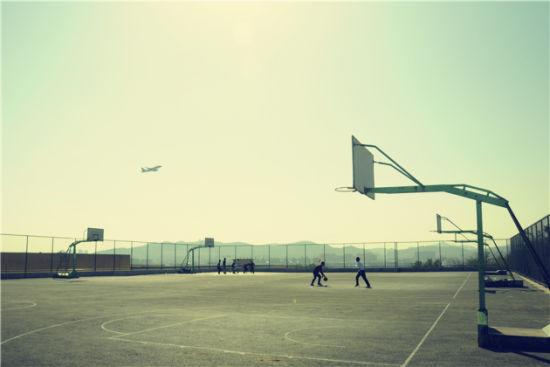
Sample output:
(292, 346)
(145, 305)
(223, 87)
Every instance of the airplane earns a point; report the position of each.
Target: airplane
(150, 169)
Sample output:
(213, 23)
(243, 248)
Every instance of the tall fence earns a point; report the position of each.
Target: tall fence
(521, 259)
(417, 255)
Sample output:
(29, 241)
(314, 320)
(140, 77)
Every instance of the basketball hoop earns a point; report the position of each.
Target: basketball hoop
(345, 189)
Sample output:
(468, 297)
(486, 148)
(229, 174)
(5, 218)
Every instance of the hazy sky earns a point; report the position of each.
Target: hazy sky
(250, 107)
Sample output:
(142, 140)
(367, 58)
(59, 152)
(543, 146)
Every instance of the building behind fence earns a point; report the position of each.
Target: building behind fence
(32, 254)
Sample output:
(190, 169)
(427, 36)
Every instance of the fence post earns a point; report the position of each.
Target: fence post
(51, 258)
(305, 257)
(344, 250)
(385, 264)
(114, 255)
(26, 253)
(287, 256)
(440, 261)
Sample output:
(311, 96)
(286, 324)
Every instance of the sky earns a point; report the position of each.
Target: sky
(250, 107)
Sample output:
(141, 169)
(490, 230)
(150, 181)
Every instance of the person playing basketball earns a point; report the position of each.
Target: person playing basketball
(317, 272)
(360, 272)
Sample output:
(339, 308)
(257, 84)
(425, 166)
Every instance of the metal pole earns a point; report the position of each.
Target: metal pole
(147, 257)
(287, 256)
(51, 258)
(324, 252)
(463, 261)
(305, 256)
(114, 255)
(418, 253)
(74, 259)
(269, 257)
(95, 257)
(26, 253)
(385, 264)
(395, 258)
(131, 255)
(482, 314)
(161, 254)
(440, 262)
(364, 256)
(344, 249)
(175, 246)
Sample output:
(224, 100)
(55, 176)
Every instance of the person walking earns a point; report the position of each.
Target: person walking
(219, 266)
(360, 272)
(224, 268)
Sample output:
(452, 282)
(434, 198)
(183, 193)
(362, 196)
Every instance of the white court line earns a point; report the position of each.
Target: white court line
(459, 289)
(425, 336)
(56, 325)
(433, 325)
(32, 304)
(104, 325)
(259, 354)
(321, 345)
(167, 326)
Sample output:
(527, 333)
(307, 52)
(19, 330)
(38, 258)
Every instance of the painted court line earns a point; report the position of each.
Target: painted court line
(260, 354)
(321, 345)
(462, 286)
(425, 336)
(434, 324)
(31, 305)
(165, 326)
(54, 326)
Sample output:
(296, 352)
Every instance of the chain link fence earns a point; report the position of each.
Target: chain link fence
(41, 254)
(521, 260)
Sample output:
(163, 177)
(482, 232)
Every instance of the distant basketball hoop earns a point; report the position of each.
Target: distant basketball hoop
(345, 189)
(95, 234)
(208, 242)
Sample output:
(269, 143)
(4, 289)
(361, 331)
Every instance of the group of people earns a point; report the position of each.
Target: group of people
(319, 274)
(234, 266)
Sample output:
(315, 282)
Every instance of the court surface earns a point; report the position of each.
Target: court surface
(265, 319)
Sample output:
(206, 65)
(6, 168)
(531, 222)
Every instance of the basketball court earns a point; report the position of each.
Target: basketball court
(271, 319)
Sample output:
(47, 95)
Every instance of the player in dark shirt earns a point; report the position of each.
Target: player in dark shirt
(317, 272)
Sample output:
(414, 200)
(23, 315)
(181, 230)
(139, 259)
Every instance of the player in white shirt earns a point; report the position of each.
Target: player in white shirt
(360, 273)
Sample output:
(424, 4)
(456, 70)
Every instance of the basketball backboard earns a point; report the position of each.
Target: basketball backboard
(363, 168)
(95, 234)
(208, 242)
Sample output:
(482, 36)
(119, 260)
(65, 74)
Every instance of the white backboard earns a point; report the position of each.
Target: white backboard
(363, 168)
